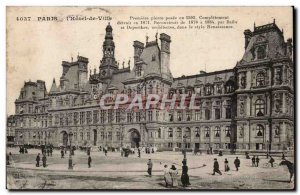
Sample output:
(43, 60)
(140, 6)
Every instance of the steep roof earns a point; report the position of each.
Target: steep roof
(53, 87)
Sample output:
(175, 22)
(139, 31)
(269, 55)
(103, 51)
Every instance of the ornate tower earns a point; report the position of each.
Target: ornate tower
(165, 55)
(108, 63)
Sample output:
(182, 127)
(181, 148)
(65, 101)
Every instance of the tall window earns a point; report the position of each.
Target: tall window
(102, 116)
(197, 132)
(227, 131)
(179, 116)
(259, 130)
(206, 132)
(138, 116)
(139, 71)
(129, 117)
(88, 117)
(170, 133)
(187, 132)
(217, 132)
(149, 115)
(110, 116)
(208, 90)
(197, 115)
(228, 112)
(95, 116)
(179, 133)
(260, 79)
(159, 133)
(218, 88)
(217, 113)
(260, 107)
(81, 135)
(171, 117)
(188, 116)
(207, 114)
(118, 118)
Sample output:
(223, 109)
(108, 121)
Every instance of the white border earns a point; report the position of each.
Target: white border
(4, 3)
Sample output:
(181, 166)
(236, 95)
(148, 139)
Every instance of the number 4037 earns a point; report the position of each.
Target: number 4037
(23, 19)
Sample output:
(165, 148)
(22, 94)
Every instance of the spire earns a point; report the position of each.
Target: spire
(254, 25)
(274, 21)
(53, 87)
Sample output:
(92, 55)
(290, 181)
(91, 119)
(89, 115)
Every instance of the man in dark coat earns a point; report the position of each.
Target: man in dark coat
(150, 165)
(51, 151)
(257, 161)
(62, 153)
(89, 161)
(271, 161)
(38, 158)
(139, 153)
(44, 159)
(253, 161)
(237, 163)
(185, 180)
(216, 167)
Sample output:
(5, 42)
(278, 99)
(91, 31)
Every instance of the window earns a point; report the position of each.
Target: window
(218, 88)
(206, 132)
(109, 137)
(102, 116)
(110, 116)
(207, 114)
(118, 135)
(170, 133)
(229, 86)
(188, 116)
(208, 90)
(228, 113)
(129, 117)
(217, 113)
(261, 52)
(89, 117)
(197, 132)
(139, 71)
(259, 130)
(170, 145)
(88, 136)
(217, 131)
(171, 117)
(260, 107)
(81, 135)
(227, 131)
(260, 79)
(159, 133)
(102, 135)
(187, 133)
(197, 115)
(95, 116)
(157, 115)
(81, 117)
(138, 116)
(179, 116)
(118, 118)
(178, 133)
(149, 115)
(61, 120)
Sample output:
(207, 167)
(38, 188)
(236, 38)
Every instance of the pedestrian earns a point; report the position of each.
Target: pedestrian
(122, 152)
(62, 153)
(44, 159)
(38, 158)
(150, 165)
(237, 163)
(7, 159)
(89, 161)
(174, 173)
(51, 151)
(257, 161)
(211, 150)
(48, 151)
(226, 165)
(185, 180)
(152, 150)
(216, 167)
(271, 161)
(167, 176)
(253, 161)
(283, 156)
(25, 150)
(105, 151)
(139, 152)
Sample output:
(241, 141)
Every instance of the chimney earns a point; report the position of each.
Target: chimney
(138, 49)
(248, 35)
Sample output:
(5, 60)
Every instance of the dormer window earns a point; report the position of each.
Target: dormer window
(208, 90)
(260, 79)
(261, 52)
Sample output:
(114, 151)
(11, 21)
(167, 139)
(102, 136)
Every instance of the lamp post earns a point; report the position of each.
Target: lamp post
(184, 150)
(268, 149)
(70, 153)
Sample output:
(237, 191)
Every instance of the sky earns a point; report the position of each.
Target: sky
(36, 49)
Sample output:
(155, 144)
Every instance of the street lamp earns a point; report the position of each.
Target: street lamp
(184, 150)
(268, 149)
(70, 153)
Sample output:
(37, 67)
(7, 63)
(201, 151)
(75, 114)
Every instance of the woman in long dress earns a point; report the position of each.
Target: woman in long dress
(174, 173)
(167, 176)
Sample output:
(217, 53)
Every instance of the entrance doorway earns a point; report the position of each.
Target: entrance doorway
(135, 138)
(95, 137)
(64, 138)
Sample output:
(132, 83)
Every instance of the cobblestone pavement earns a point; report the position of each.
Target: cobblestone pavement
(116, 172)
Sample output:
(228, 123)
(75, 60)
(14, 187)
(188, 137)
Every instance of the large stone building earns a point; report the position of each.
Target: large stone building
(249, 107)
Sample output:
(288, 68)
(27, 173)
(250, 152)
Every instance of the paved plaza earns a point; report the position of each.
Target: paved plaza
(116, 172)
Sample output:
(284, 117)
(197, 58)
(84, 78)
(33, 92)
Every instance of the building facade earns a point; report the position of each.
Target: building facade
(248, 107)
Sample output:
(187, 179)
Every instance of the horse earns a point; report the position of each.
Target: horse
(290, 166)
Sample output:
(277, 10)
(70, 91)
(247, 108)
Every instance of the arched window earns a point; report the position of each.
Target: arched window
(260, 79)
(217, 131)
(277, 130)
(197, 132)
(179, 133)
(261, 52)
(187, 132)
(260, 107)
(206, 131)
(259, 130)
(170, 132)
